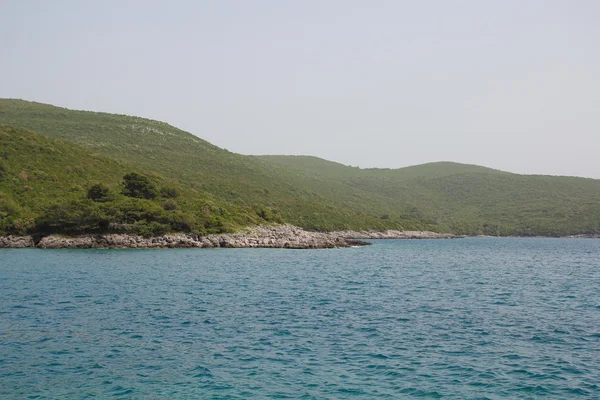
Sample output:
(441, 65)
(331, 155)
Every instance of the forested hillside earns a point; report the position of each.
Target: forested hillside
(218, 190)
(472, 199)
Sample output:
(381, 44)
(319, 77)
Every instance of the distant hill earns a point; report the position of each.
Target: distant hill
(330, 168)
(475, 200)
(307, 191)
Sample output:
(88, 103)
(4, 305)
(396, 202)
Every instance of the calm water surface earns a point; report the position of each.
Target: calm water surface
(472, 318)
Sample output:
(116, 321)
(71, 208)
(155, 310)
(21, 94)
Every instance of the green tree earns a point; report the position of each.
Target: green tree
(138, 186)
(99, 193)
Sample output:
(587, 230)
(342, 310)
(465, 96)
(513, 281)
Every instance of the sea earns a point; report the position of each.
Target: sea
(474, 318)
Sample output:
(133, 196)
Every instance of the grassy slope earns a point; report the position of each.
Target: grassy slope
(320, 194)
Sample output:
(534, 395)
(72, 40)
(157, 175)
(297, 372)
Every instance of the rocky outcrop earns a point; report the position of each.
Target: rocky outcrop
(16, 242)
(281, 236)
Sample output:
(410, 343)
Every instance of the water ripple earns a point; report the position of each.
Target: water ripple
(474, 318)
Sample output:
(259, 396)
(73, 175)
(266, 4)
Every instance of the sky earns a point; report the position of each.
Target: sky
(510, 84)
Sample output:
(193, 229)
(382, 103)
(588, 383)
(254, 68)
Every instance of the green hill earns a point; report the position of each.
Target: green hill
(306, 191)
(244, 181)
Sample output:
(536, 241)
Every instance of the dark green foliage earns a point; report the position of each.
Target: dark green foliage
(99, 193)
(138, 186)
(70, 216)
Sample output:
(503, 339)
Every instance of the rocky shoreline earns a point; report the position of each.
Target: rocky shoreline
(391, 234)
(281, 236)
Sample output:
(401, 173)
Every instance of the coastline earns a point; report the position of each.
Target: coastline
(280, 236)
(270, 237)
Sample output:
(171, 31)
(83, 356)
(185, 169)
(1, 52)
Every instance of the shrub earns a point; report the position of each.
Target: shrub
(169, 192)
(268, 214)
(170, 205)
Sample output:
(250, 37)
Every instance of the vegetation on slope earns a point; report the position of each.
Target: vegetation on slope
(313, 193)
(314, 203)
(470, 199)
(49, 186)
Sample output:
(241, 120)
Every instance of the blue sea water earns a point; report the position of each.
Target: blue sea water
(470, 318)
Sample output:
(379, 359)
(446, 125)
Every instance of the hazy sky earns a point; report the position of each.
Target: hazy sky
(513, 85)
